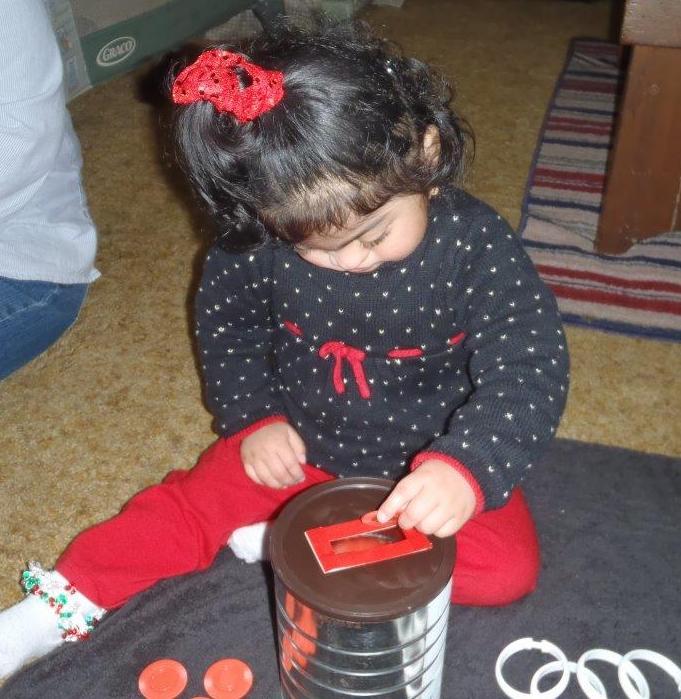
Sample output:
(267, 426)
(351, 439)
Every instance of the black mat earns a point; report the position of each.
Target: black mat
(610, 524)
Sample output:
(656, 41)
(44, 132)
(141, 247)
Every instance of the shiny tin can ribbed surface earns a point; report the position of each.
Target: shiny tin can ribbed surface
(375, 631)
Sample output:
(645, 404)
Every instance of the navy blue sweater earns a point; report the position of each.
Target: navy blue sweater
(455, 352)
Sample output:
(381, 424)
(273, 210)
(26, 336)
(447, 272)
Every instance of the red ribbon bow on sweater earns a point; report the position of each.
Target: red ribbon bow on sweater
(213, 77)
(340, 351)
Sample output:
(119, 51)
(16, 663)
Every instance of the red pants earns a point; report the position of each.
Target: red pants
(180, 525)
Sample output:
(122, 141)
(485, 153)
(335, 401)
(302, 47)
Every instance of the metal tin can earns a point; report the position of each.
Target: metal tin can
(377, 630)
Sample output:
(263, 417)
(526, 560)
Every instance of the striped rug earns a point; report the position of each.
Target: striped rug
(636, 293)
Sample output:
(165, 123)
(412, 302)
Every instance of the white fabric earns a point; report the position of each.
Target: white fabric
(27, 630)
(46, 233)
(251, 543)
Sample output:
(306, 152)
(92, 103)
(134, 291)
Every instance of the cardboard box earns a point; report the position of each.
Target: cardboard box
(101, 39)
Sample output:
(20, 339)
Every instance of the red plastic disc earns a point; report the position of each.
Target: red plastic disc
(163, 679)
(228, 679)
(370, 518)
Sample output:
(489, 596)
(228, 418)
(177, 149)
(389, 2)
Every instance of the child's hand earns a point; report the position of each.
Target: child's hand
(273, 455)
(435, 499)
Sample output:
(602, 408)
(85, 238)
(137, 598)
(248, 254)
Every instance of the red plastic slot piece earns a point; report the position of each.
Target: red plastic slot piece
(363, 541)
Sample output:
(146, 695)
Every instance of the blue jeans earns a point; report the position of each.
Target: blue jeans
(33, 315)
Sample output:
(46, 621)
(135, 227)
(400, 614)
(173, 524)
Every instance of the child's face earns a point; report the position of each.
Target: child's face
(390, 233)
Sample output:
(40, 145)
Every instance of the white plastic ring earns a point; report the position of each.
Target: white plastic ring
(557, 666)
(530, 644)
(662, 661)
(642, 690)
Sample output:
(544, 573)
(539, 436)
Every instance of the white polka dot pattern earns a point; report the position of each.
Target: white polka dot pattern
(457, 349)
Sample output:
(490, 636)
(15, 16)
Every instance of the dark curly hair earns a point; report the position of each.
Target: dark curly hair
(346, 137)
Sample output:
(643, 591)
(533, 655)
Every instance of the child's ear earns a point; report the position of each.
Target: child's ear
(431, 143)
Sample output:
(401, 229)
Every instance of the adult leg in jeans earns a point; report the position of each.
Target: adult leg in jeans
(33, 316)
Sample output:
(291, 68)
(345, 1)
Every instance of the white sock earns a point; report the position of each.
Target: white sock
(251, 543)
(29, 629)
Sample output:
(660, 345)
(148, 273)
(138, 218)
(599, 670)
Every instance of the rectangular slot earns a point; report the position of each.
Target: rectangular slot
(368, 541)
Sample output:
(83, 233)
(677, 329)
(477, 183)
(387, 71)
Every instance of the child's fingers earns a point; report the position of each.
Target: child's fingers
(434, 520)
(269, 472)
(267, 477)
(289, 459)
(278, 471)
(449, 528)
(419, 509)
(275, 468)
(399, 498)
(251, 473)
(297, 444)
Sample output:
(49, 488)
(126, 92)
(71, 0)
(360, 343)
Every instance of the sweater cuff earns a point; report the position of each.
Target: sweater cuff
(254, 427)
(459, 468)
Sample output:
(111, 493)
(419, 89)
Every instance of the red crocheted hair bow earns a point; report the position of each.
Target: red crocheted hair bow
(213, 78)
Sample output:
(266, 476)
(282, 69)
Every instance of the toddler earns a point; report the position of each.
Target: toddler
(358, 315)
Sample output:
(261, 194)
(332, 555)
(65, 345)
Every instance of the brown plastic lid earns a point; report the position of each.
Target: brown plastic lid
(375, 592)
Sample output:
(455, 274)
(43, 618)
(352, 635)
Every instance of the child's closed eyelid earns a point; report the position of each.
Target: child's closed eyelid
(376, 241)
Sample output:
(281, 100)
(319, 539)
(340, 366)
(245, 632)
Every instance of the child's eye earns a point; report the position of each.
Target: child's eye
(376, 241)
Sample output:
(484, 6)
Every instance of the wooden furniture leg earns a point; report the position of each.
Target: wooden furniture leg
(643, 190)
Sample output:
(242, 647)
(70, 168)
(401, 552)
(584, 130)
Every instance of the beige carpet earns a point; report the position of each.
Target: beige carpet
(117, 402)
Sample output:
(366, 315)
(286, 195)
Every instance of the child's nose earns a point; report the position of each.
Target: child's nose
(350, 256)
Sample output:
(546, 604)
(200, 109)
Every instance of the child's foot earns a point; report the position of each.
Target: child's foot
(27, 630)
(53, 612)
